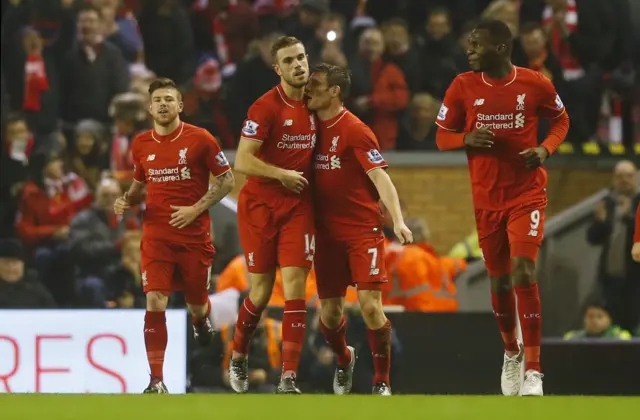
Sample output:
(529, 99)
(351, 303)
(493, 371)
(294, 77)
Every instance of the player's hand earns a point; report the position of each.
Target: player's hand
(183, 216)
(534, 157)
(600, 212)
(121, 205)
(635, 252)
(293, 180)
(403, 233)
(480, 137)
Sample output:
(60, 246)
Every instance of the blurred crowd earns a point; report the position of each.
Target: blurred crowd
(74, 94)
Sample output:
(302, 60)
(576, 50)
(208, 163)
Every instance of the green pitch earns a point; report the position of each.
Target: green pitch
(311, 407)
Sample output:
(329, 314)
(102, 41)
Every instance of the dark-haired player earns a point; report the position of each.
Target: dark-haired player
(174, 161)
(493, 113)
(349, 180)
(275, 212)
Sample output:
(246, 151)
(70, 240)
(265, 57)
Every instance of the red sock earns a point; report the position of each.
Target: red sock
(294, 323)
(504, 310)
(197, 320)
(531, 324)
(337, 340)
(248, 318)
(155, 340)
(380, 344)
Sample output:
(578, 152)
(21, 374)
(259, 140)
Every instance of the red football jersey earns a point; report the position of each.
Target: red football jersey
(345, 198)
(287, 131)
(510, 108)
(175, 169)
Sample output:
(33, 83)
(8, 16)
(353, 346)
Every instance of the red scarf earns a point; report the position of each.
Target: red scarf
(560, 46)
(35, 82)
(222, 48)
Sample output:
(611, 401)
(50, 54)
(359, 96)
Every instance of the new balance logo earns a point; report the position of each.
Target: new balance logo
(478, 102)
(151, 157)
(519, 120)
(533, 233)
(287, 123)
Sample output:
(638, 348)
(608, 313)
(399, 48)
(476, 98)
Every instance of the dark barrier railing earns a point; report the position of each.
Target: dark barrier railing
(462, 354)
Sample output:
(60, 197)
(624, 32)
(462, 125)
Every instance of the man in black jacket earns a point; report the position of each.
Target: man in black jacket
(19, 289)
(613, 228)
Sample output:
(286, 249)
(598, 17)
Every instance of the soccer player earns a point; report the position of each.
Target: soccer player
(174, 161)
(493, 113)
(635, 251)
(275, 211)
(350, 179)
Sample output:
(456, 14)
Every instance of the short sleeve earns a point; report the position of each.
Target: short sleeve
(551, 105)
(138, 170)
(367, 150)
(259, 121)
(452, 112)
(214, 157)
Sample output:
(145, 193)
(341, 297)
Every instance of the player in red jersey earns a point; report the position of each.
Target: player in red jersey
(635, 251)
(350, 179)
(174, 161)
(275, 212)
(493, 113)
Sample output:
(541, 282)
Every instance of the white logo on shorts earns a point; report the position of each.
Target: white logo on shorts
(250, 261)
(145, 282)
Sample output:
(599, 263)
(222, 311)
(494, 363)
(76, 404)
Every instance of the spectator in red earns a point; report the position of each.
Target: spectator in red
(47, 204)
(129, 115)
(203, 103)
(380, 92)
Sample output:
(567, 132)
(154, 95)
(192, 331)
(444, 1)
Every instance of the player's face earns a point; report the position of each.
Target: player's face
(166, 105)
(481, 53)
(293, 66)
(318, 92)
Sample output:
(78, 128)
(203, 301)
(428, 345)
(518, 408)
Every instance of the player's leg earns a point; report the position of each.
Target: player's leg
(366, 260)
(258, 236)
(195, 269)
(332, 279)
(296, 248)
(157, 278)
(526, 227)
(494, 242)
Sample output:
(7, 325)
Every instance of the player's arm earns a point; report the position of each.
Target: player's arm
(218, 165)
(450, 122)
(135, 193)
(552, 108)
(365, 147)
(248, 163)
(221, 186)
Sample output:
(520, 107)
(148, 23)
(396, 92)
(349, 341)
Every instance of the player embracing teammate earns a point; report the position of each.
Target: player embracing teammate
(350, 179)
(493, 113)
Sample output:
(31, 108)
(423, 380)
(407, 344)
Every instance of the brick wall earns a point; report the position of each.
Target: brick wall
(443, 196)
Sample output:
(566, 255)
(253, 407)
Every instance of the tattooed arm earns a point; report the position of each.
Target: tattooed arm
(222, 186)
(184, 215)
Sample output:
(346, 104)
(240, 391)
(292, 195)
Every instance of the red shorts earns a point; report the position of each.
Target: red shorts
(170, 266)
(278, 231)
(506, 234)
(340, 264)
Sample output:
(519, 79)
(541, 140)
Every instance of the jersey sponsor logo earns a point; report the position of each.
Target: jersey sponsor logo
(151, 158)
(222, 159)
(327, 162)
(500, 121)
(559, 104)
(335, 162)
(334, 144)
(520, 100)
(182, 156)
(375, 156)
(442, 114)
(297, 141)
(169, 174)
(251, 128)
(478, 102)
